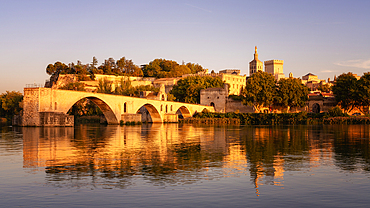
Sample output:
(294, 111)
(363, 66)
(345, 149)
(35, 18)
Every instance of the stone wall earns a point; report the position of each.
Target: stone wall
(55, 119)
(237, 106)
(171, 118)
(131, 117)
(215, 97)
(30, 115)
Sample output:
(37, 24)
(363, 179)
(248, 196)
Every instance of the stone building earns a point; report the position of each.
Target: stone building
(275, 67)
(220, 100)
(255, 65)
(312, 81)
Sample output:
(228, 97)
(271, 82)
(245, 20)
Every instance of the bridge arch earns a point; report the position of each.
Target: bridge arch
(104, 107)
(153, 112)
(184, 112)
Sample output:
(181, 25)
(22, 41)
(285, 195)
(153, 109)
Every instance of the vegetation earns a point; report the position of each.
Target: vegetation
(85, 107)
(77, 86)
(345, 91)
(324, 88)
(123, 67)
(334, 116)
(104, 86)
(158, 68)
(351, 93)
(291, 93)
(259, 91)
(188, 89)
(10, 104)
(161, 68)
(124, 87)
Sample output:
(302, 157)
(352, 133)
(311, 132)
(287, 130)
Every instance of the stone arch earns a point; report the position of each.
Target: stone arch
(316, 108)
(153, 112)
(183, 112)
(104, 107)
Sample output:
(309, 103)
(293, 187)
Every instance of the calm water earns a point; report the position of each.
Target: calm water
(185, 166)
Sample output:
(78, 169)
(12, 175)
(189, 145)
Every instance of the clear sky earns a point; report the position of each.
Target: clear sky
(326, 37)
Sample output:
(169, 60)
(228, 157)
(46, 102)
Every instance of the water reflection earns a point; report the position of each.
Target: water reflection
(172, 154)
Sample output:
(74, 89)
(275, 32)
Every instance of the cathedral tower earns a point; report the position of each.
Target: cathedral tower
(255, 65)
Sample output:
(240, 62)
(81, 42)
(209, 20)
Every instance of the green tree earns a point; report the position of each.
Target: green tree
(128, 68)
(195, 68)
(188, 89)
(364, 92)
(345, 90)
(291, 93)
(57, 68)
(124, 87)
(161, 68)
(104, 86)
(10, 104)
(260, 90)
(324, 88)
(77, 86)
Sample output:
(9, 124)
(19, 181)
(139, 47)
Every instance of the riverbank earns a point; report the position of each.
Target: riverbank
(274, 118)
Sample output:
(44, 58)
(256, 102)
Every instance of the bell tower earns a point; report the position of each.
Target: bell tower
(255, 65)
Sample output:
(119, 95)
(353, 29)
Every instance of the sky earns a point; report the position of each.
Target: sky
(326, 37)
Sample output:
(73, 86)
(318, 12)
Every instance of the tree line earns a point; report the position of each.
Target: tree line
(262, 91)
(159, 68)
(352, 93)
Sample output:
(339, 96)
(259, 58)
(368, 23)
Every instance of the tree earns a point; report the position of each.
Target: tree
(104, 86)
(345, 90)
(195, 68)
(291, 93)
(77, 86)
(364, 92)
(259, 91)
(128, 68)
(10, 104)
(57, 68)
(161, 68)
(324, 88)
(188, 89)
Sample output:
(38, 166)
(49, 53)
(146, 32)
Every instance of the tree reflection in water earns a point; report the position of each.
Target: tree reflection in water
(174, 154)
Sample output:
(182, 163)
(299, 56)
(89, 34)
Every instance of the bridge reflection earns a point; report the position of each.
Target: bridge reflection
(170, 154)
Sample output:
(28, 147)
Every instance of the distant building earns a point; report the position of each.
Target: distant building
(275, 67)
(312, 81)
(255, 65)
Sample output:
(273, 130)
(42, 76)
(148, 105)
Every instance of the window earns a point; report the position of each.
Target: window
(161, 107)
(55, 106)
(124, 107)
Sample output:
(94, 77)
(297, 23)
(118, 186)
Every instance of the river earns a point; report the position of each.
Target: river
(175, 165)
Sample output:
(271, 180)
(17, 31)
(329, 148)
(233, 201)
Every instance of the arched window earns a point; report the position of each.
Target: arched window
(124, 107)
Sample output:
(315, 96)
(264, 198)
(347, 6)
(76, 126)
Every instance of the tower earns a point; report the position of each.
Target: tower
(255, 65)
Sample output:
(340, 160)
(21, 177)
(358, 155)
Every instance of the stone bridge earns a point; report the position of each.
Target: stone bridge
(49, 107)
